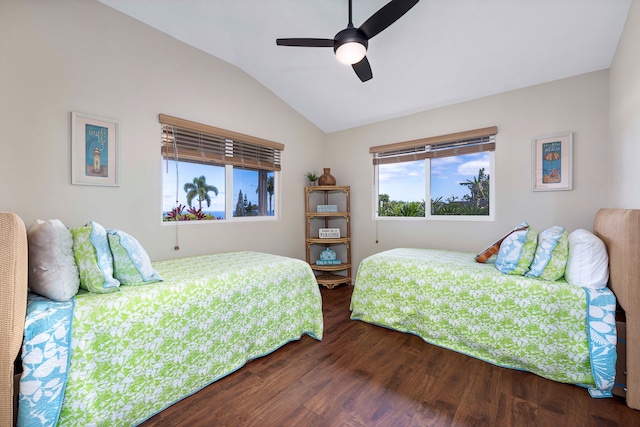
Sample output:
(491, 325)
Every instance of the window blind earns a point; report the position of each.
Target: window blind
(188, 141)
(454, 144)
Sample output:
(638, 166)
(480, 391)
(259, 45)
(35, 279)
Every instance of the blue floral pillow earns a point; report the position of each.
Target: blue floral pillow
(517, 251)
(93, 258)
(551, 255)
(131, 263)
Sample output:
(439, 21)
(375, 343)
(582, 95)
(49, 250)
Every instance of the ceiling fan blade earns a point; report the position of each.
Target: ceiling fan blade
(305, 42)
(386, 16)
(363, 70)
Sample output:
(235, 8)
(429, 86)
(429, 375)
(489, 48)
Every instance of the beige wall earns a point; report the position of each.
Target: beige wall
(625, 115)
(63, 56)
(578, 104)
(74, 55)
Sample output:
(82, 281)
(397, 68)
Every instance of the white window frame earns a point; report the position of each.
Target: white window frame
(229, 204)
(255, 162)
(427, 195)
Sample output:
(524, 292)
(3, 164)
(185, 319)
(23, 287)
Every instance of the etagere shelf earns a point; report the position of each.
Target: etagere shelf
(338, 197)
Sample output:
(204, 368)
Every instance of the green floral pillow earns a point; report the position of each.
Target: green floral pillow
(551, 256)
(517, 251)
(93, 258)
(131, 263)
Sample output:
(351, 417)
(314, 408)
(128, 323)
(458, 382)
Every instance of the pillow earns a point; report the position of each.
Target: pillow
(517, 251)
(493, 249)
(551, 255)
(93, 258)
(52, 269)
(588, 262)
(131, 263)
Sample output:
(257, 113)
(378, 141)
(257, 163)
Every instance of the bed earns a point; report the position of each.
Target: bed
(554, 329)
(120, 357)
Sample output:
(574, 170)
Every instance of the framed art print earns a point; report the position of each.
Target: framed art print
(552, 162)
(94, 150)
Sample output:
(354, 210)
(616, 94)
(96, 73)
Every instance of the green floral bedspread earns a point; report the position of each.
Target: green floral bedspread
(139, 350)
(452, 301)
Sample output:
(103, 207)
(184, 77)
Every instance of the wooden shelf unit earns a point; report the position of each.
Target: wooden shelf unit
(329, 275)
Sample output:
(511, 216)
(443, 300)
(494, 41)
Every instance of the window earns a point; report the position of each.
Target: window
(215, 174)
(453, 172)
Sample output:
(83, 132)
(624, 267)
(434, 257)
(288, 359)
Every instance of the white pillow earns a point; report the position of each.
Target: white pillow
(52, 268)
(588, 263)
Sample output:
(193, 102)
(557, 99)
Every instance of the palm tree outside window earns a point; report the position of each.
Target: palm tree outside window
(230, 175)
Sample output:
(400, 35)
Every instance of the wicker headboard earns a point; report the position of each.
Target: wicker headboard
(620, 231)
(13, 302)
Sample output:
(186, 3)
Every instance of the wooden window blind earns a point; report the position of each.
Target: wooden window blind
(188, 141)
(454, 144)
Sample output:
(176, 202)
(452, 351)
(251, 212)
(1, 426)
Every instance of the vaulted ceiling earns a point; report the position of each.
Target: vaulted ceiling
(440, 53)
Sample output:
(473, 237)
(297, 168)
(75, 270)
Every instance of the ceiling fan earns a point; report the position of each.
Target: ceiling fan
(350, 45)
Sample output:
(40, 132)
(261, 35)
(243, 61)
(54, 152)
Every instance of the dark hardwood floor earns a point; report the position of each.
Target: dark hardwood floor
(365, 375)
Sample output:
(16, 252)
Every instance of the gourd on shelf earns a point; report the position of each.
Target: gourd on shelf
(326, 178)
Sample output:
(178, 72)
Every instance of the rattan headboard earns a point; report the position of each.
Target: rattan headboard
(619, 229)
(13, 302)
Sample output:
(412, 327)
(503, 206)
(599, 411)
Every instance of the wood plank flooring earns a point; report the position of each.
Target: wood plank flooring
(365, 375)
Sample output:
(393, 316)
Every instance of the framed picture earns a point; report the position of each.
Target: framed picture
(552, 162)
(94, 150)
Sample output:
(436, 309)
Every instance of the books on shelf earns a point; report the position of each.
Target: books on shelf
(328, 262)
(327, 208)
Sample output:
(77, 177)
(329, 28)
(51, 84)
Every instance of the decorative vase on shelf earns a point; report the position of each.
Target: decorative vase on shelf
(326, 178)
(328, 255)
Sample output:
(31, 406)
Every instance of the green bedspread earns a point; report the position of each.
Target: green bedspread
(449, 300)
(139, 350)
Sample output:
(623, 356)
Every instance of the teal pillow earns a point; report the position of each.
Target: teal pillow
(131, 263)
(93, 258)
(517, 251)
(551, 255)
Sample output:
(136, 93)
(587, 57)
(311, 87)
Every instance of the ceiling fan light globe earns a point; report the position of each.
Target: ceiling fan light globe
(351, 53)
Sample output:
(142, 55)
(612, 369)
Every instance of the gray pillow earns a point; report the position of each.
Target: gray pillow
(52, 269)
